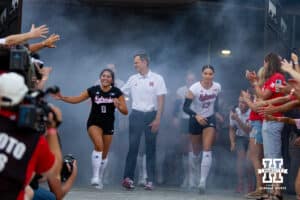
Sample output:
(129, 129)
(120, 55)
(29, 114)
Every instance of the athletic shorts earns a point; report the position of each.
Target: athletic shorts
(241, 143)
(184, 126)
(196, 129)
(106, 125)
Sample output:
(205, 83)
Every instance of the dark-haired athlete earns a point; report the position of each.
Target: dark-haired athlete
(202, 123)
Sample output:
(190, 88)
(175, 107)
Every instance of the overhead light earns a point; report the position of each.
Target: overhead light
(226, 52)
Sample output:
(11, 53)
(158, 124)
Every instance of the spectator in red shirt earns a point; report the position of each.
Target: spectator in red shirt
(271, 130)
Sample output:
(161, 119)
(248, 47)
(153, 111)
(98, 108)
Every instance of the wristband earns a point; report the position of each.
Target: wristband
(296, 63)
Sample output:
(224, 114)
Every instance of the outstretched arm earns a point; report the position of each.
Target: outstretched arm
(72, 99)
(270, 109)
(33, 33)
(49, 43)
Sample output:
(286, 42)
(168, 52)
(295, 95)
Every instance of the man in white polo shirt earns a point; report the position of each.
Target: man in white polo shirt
(147, 91)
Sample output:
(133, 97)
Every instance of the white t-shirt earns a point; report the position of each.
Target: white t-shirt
(204, 99)
(244, 117)
(144, 90)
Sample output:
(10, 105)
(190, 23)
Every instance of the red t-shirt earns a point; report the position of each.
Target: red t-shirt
(254, 116)
(270, 85)
(41, 161)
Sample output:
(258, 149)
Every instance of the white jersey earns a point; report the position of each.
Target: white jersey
(181, 93)
(244, 117)
(204, 99)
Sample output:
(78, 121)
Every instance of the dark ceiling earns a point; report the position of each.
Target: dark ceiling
(293, 6)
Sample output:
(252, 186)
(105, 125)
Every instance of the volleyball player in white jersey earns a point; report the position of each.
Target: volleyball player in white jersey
(181, 122)
(202, 123)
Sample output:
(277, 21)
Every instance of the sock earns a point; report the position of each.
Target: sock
(185, 168)
(190, 158)
(145, 176)
(96, 162)
(190, 166)
(205, 165)
(102, 168)
(195, 160)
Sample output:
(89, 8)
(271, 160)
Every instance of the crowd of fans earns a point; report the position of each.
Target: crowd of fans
(29, 155)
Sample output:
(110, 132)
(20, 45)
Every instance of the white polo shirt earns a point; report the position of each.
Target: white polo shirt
(144, 90)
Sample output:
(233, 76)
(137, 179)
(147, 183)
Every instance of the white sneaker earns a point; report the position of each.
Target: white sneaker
(202, 187)
(100, 185)
(142, 182)
(95, 181)
(185, 182)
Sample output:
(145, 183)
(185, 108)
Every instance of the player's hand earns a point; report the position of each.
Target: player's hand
(201, 120)
(116, 102)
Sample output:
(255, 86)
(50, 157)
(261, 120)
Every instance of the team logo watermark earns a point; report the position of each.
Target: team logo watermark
(272, 171)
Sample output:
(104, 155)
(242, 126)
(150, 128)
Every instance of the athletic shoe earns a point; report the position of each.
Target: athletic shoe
(257, 194)
(128, 183)
(185, 183)
(148, 186)
(100, 186)
(202, 187)
(95, 181)
(142, 182)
